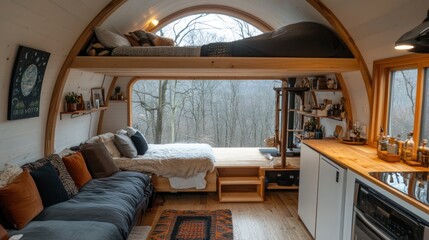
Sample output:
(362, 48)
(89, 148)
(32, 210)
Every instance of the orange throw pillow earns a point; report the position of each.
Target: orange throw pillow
(76, 166)
(3, 233)
(20, 200)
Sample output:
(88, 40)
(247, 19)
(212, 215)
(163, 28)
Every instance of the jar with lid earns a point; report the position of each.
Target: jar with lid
(409, 148)
(392, 147)
(423, 154)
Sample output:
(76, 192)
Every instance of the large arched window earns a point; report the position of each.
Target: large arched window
(199, 29)
(222, 113)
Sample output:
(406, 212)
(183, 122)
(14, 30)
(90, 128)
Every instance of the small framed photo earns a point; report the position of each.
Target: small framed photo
(87, 105)
(97, 95)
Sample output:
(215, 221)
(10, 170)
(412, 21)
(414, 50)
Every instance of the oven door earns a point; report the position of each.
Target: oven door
(364, 229)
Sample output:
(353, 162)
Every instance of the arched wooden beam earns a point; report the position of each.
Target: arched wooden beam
(346, 96)
(211, 8)
(63, 74)
(108, 95)
(343, 33)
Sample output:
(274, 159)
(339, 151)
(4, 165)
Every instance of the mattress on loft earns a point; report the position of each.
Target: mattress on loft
(157, 51)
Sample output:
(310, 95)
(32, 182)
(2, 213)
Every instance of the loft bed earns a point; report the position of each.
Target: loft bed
(293, 50)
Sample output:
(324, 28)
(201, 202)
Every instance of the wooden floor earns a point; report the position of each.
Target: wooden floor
(276, 218)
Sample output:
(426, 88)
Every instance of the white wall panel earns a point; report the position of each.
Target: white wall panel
(47, 26)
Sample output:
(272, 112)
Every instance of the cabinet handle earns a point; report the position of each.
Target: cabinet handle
(337, 176)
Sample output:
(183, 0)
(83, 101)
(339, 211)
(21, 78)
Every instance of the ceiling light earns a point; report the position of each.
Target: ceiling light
(154, 22)
(416, 40)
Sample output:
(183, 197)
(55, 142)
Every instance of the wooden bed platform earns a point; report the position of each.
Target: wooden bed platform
(213, 67)
(236, 160)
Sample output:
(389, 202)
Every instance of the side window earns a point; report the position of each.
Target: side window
(402, 102)
(424, 133)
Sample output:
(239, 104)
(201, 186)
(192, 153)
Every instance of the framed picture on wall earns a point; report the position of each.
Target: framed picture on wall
(97, 95)
(26, 83)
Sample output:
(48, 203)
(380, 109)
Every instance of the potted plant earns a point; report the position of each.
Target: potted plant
(72, 100)
(117, 92)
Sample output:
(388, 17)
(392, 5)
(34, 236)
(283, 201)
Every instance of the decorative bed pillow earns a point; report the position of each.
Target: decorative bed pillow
(144, 38)
(162, 41)
(110, 39)
(48, 183)
(108, 140)
(9, 172)
(125, 145)
(61, 170)
(77, 168)
(98, 160)
(20, 201)
(140, 143)
(134, 42)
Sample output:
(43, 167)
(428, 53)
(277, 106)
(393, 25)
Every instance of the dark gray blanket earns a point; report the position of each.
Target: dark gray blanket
(304, 39)
(69, 230)
(112, 200)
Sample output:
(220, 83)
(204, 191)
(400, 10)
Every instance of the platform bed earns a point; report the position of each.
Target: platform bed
(228, 161)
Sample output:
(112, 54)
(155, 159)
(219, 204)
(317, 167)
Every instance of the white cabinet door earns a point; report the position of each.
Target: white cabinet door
(330, 201)
(308, 178)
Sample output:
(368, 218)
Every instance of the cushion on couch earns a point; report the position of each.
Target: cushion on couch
(20, 200)
(98, 160)
(48, 183)
(10, 171)
(61, 170)
(3, 233)
(76, 166)
(108, 140)
(125, 145)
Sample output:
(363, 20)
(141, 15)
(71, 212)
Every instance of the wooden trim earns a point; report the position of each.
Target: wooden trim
(382, 75)
(109, 93)
(63, 74)
(346, 95)
(211, 8)
(213, 67)
(284, 120)
(130, 98)
(344, 34)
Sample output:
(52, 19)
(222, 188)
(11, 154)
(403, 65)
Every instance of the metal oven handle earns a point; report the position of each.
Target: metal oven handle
(370, 224)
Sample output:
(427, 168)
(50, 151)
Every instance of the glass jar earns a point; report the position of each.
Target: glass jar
(392, 147)
(409, 148)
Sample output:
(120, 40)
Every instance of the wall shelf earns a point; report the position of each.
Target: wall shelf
(309, 114)
(80, 113)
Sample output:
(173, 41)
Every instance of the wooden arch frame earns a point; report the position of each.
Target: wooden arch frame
(115, 4)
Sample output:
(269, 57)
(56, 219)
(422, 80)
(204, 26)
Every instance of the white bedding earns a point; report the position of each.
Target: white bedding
(171, 160)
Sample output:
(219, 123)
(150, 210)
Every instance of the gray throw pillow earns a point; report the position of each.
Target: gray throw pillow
(125, 145)
(98, 160)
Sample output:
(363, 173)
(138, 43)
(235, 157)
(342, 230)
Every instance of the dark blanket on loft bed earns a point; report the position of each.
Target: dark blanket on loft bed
(304, 39)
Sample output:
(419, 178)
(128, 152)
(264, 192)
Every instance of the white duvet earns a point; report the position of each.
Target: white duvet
(171, 160)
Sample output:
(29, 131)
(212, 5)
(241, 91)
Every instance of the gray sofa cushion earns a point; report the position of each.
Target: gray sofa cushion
(115, 200)
(70, 230)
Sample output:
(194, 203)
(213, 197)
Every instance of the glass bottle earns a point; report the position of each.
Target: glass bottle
(380, 139)
(422, 153)
(409, 148)
(392, 147)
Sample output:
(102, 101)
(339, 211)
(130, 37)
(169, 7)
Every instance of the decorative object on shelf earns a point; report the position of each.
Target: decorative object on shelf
(72, 100)
(97, 97)
(88, 105)
(26, 83)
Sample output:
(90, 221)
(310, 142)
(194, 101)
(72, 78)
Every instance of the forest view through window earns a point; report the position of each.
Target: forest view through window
(222, 113)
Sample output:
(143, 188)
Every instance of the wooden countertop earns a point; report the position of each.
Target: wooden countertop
(363, 159)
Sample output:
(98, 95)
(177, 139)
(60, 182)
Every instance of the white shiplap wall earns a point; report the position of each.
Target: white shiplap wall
(52, 26)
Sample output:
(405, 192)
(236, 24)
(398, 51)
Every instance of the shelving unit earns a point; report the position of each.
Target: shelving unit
(291, 172)
(308, 114)
(240, 184)
(80, 113)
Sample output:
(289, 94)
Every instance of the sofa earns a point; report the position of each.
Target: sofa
(103, 208)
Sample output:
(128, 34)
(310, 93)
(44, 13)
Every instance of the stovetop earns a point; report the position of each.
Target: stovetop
(412, 184)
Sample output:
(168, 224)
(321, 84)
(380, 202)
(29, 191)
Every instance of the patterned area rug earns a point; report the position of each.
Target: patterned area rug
(195, 225)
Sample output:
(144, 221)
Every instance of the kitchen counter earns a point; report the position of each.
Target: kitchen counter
(363, 159)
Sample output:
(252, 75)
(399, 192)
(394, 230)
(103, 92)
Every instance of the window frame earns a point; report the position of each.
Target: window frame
(382, 85)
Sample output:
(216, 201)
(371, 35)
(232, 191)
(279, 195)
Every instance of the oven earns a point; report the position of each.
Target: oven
(376, 217)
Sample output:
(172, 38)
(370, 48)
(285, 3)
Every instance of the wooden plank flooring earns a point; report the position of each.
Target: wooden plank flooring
(275, 218)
